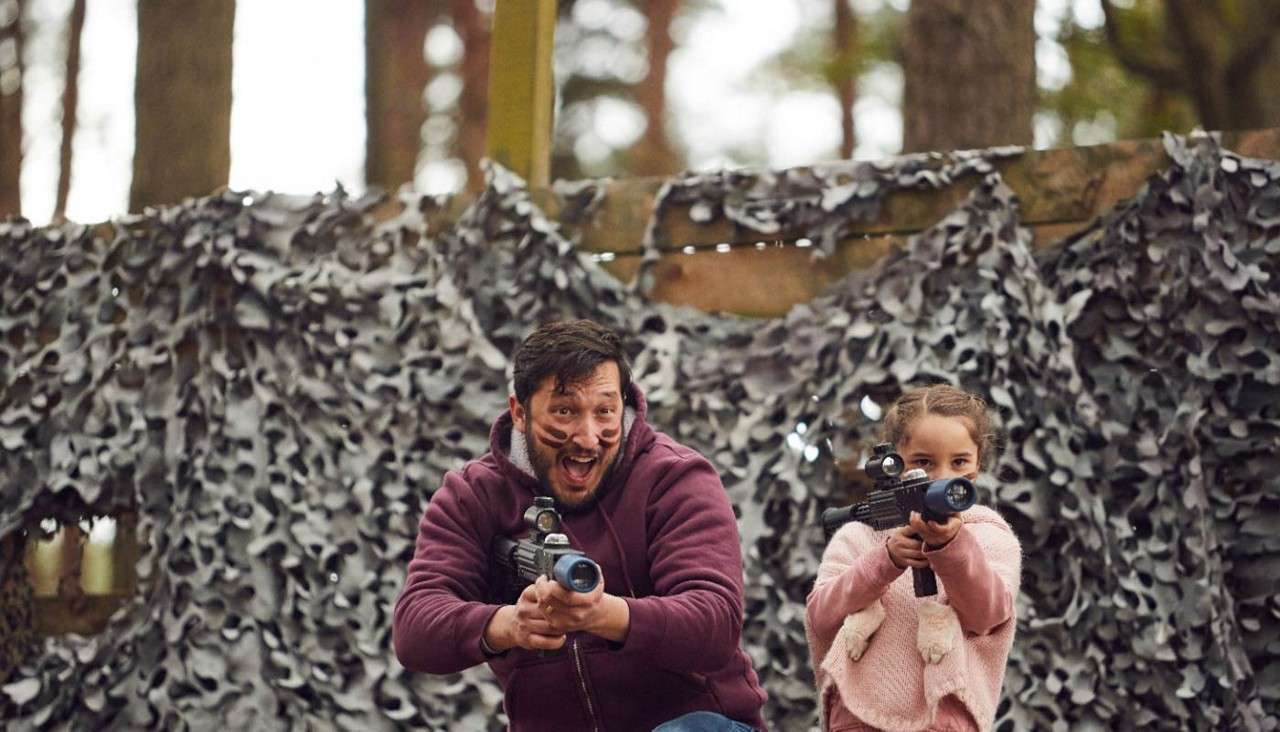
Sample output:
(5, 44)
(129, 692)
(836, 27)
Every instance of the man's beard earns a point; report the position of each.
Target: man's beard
(541, 464)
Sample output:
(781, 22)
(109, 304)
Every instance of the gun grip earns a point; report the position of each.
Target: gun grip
(925, 581)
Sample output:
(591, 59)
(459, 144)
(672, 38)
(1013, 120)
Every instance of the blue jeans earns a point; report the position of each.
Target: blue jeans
(703, 722)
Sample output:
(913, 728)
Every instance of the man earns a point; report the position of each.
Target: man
(658, 641)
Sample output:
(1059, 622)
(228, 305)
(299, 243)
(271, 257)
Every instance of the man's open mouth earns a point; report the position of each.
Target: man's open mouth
(578, 467)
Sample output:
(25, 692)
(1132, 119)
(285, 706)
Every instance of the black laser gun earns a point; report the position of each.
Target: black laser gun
(545, 553)
(895, 494)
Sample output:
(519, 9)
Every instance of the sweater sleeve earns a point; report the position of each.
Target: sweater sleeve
(693, 621)
(971, 575)
(440, 615)
(853, 587)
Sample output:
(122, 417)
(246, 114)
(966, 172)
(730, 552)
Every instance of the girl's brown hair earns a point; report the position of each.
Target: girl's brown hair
(943, 400)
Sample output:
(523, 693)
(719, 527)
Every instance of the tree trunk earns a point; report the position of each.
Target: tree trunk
(396, 77)
(1270, 79)
(17, 636)
(70, 95)
(652, 154)
(1220, 54)
(473, 106)
(11, 82)
(969, 74)
(844, 77)
(182, 97)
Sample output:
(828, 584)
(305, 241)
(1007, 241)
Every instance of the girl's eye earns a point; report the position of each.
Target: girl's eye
(923, 462)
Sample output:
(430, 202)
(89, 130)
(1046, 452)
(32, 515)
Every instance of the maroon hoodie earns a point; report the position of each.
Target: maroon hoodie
(665, 537)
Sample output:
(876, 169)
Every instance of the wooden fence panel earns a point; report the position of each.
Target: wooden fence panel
(1059, 190)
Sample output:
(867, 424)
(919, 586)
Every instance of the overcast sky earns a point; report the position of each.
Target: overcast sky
(297, 122)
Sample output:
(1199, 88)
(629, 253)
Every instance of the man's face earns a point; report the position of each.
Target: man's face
(574, 436)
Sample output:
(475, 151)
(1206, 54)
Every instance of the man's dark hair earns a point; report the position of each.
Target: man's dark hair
(570, 350)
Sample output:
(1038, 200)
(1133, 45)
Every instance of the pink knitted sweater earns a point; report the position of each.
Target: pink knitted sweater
(889, 684)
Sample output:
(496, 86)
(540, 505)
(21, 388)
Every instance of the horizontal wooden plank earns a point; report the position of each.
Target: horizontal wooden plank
(1059, 190)
(769, 281)
(749, 281)
(1054, 186)
(86, 616)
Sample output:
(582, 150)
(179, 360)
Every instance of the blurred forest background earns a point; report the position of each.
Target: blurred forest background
(111, 105)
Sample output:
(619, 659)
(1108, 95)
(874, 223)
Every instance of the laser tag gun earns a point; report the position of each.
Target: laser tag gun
(895, 495)
(545, 553)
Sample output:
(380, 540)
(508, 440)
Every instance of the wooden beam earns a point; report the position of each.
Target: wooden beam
(1059, 191)
(521, 88)
(1054, 187)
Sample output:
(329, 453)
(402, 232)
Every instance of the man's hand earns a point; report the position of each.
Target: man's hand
(936, 535)
(523, 625)
(593, 612)
(906, 549)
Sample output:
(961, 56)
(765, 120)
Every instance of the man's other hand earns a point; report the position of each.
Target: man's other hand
(523, 625)
(592, 612)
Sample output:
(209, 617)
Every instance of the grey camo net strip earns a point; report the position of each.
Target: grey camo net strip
(277, 384)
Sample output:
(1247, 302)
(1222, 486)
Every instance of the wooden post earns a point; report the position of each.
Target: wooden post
(521, 87)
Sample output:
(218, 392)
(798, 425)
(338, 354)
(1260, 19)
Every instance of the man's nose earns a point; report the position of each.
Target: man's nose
(586, 436)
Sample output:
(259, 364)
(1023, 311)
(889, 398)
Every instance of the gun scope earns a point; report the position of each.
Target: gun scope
(542, 516)
(884, 463)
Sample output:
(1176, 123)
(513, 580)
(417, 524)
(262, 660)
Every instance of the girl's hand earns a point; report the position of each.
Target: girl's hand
(936, 535)
(906, 549)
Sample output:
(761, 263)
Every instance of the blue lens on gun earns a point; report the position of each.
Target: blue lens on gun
(950, 495)
(576, 573)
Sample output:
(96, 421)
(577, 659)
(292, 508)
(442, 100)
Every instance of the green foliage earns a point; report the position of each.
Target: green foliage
(1100, 88)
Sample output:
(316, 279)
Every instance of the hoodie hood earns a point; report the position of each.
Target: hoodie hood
(511, 451)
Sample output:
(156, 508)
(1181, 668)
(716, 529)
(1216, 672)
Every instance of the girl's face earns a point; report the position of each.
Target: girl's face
(941, 446)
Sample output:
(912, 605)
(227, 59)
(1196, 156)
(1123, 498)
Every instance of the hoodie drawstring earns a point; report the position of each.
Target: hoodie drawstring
(622, 556)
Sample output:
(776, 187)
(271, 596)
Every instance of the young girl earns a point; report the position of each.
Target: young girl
(885, 659)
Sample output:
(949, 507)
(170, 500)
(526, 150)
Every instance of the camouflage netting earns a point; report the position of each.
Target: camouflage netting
(277, 384)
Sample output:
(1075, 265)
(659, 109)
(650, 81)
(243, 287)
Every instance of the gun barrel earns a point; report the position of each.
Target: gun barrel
(949, 496)
(576, 573)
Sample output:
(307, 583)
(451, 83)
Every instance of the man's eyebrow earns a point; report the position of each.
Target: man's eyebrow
(558, 398)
